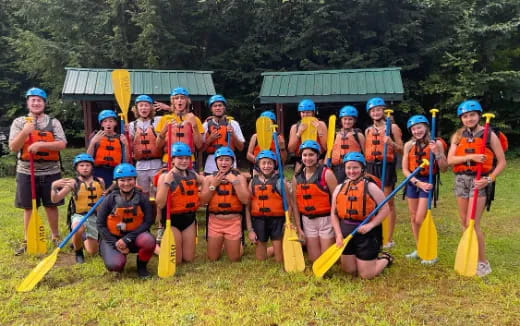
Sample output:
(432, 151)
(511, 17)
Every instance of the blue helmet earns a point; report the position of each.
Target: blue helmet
(179, 91)
(36, 92)
(265, 154)
(417, 119)
(375, 101)
(180, 149)
(224, 151)
(348, 111)
(355, 156)
(106, 114)
(310, 144)
(83, 157)
(468, 106)
(125, 170)
(269, 114)
(143, 98)
(217, 98)
(306, 105)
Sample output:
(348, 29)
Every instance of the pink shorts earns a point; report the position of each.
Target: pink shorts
(318, 227)
(230, 229)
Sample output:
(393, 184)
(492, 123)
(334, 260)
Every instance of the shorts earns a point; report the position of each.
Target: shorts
(363, 246)
(145, 178)
(414, 192)
(318, 227)
(230, 229)
(106, 173)
(179, 221)
(377, 170)
(339, 172)
(43, 190)
(91, 230)
(464, 186)
(268, 228)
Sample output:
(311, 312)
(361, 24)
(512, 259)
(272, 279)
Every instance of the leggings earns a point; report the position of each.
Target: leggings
(115, 261)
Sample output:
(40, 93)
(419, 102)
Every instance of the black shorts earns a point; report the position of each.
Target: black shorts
(43, 190)
(363, 246)
(179, 221)
(268, 228)
(377, 170)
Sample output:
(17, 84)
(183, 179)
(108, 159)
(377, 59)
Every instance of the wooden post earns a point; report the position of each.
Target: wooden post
(280, 119)
(87, 119)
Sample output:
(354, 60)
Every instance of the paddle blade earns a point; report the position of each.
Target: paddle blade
(293, 260)
(36, 243)
(331, 132)
(122, 91)
(328, 258)
(310, 133)
(467, 253)
(166, 266)
(38, 272)
(386, 230)
(427, 242)
(264, 132)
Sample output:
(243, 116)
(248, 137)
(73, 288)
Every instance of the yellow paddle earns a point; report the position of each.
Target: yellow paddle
(123, 92)
(386, 221)
(427, 238)
(167, 251)
(466, 259)
(331, 132)
(264, 132)
(329, 257)
(310, 132)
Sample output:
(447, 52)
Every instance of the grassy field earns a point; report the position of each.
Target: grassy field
(261, 293)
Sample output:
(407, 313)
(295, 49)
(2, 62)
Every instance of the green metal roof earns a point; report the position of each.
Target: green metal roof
(96, 84)
(347, 85)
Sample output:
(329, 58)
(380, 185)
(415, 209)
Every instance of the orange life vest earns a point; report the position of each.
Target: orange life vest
(418, 152)
(313, 196)
(221, 128)
(127, 214)
(374, 147)
(343, 144)
(354, 201)
(471, 144)
(85, 196)
(45, 135)
(225, 199)
(144, 146)
(184, 194)
(266, 200)
(108, 151)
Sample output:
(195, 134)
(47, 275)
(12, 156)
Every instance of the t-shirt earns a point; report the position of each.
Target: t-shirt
(167, 117)
(210, 166)
(142, 165)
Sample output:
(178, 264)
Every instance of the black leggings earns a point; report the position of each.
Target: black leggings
(115, 261)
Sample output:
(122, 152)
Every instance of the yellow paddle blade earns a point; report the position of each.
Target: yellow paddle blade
(467, 253)
(122, 90)
(427, 242)
(328, 258)
(386, 230)
(264, 132)
(166, 266)
(293, 260)
(36, 243)
(331, 132)
(310, 133)
(38, 272)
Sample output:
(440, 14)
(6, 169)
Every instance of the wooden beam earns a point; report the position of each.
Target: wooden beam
(280, 118)
(87, 119)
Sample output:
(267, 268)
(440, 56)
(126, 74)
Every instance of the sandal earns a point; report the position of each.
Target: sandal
(389, 258)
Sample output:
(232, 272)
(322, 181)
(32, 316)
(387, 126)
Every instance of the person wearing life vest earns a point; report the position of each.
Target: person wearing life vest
(464, 156)
(225, 192)
(265, 213)
(186, 126)
(374, 148)
(348, 139)
(415, 150)
(312, 189)
(86, 191)
(145, 152)
(180, 186)
(106, 146)
(124, 220)
(42, 137)
(217, 129)
(352, 202)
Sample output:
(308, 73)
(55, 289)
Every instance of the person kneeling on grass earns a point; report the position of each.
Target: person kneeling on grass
(352, 201)
(225, 192)
(124, 220)
(86, 190)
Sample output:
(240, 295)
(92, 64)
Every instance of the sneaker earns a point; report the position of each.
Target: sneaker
(483, 269)
(430, 261)
(389, 245)
(412, 255)
(22, 249)
(80, 259)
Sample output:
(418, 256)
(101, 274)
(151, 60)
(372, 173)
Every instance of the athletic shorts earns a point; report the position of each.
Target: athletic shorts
(179, 221)
(318, 227)
(268, 228)
(145, 178)
(464, 186)
(43, 190)
(363, 246)
(230, 229)
(90, 225)
(414, 192)
(377, 170)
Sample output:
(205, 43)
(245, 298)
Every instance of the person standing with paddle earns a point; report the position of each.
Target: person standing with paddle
(255, 147)
(38, 138)
(472, 156)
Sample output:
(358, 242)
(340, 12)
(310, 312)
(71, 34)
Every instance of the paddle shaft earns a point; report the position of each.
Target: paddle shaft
(280, 170)
(432, 160)
(388, 126)
(169, 151)
(122, 131)
(31, 167)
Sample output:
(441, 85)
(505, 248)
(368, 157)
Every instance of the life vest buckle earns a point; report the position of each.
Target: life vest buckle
(223, 192)
(110, 148)
(146, 151)
(345, 146)
(377, 153)
(190, 205)
(189, 182)
(310, 208)
(179, 134)
(265, 209)
(376, 142)
(469, 150)
(145, 141)
(307, 196)
(128, 220)
(190, 192)
(42, 153)
(262, 187)
(263, 197)
(352, 198)
(42, 133)
(305, 187)
(352, 211)
(224, 205)
(108, 158)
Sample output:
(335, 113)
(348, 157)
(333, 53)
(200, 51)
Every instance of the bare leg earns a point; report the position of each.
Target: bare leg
(369, 269)
(392, 217)
(261, 250)
(77, 238)
(26, 217)
(278, 251)
(412, 210)
(188, 243)
(52, 217)
(233, 249)
(348, 264)
(481, 202)
(178, 245)
(313, 247)
(91, 246)
(215, 247)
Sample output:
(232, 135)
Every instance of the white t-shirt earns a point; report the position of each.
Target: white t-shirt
(153, 164)
(210, 166)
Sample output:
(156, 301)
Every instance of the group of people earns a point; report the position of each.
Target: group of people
(148, 173)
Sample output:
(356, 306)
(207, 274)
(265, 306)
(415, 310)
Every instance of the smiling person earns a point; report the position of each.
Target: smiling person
(464, 155)
(254, 148)
(48, 139)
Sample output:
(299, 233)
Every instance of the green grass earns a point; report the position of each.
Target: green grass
(261, 293)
